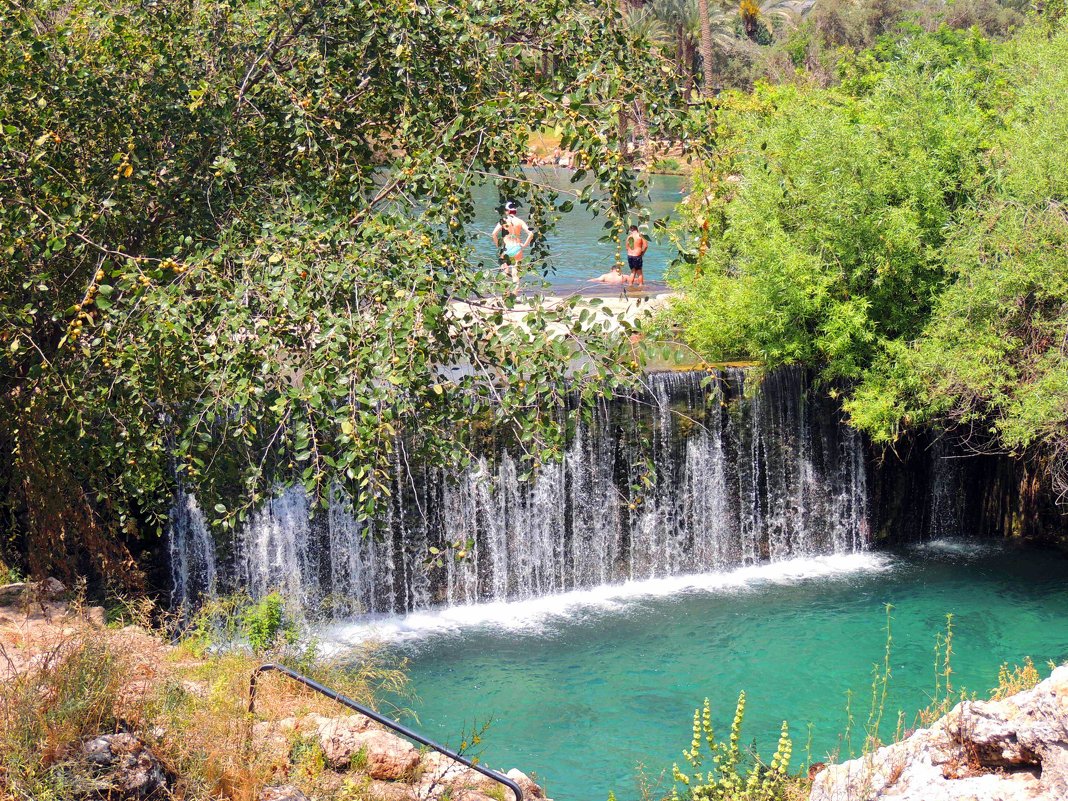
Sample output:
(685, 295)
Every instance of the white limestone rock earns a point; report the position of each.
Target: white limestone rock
(1010, 750)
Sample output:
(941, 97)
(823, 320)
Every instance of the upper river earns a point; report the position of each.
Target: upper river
(582, 688)
(576, 255)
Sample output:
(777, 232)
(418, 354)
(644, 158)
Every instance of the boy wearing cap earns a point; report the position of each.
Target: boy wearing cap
(513, 228)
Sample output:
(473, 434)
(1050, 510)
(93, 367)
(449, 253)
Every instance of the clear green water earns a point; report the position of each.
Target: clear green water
(582, 688)
(576, 253)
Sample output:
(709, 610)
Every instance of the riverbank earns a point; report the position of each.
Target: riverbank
(659, 157)
(95, 705)
(608, 312)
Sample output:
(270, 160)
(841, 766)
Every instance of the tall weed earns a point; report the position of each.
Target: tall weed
(731, 774)
(47, 710)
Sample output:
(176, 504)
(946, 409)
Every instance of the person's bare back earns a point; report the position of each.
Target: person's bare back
(636, 247)
(613, 276)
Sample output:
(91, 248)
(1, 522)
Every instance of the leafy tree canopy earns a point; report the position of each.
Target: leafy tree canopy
(231, 234)
(904, 232)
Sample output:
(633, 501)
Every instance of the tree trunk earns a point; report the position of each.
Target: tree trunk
(706, 48)
(686, 51)
(682, 53)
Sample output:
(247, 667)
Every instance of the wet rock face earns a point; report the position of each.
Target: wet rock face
(124, 768)
(1010, 750)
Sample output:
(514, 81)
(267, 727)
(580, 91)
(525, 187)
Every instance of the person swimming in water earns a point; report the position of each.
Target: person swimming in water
(513, 228)
(613, 276)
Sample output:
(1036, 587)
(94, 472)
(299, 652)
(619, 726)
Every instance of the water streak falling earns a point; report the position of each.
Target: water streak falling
(192, 552)
(689, 476)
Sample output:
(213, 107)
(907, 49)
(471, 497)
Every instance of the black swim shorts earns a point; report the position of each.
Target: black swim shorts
(635, 263)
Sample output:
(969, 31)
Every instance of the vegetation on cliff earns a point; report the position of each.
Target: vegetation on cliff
(904, 232)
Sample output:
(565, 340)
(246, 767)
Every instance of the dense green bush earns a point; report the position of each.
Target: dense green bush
(823, 218)
(905, 232)
(992, 356)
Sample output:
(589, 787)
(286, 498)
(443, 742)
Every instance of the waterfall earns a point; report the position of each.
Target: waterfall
(690, 475)
(192, 553)
(945, 512)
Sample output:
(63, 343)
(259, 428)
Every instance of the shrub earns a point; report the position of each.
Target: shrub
(1020, 678)
(265, 623)
(225, 622)
(734, 776)
(45, 710)
(8, 574)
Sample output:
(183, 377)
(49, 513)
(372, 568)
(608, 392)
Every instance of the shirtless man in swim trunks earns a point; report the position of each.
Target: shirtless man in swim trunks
(636, 247)
(513, 229)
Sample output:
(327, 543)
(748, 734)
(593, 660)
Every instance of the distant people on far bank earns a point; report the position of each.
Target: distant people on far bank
(613, 276)
(514, 228)
(636, 247)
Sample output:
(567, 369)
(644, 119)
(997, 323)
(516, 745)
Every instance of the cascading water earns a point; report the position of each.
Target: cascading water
(686, 477)
(945, 511)
(192, 552)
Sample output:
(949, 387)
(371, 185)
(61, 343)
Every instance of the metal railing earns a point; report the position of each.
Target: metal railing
(392, 724)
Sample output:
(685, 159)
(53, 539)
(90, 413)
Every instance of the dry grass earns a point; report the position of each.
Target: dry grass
(66, 696)
(72, 680)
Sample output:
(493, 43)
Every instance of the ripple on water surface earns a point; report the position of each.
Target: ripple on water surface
(582, 687)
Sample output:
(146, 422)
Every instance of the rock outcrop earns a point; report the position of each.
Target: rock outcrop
(396, 770)
(1010, 750)
(284, 792)
(124, 768)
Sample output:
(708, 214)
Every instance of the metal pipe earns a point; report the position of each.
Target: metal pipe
(387, 722)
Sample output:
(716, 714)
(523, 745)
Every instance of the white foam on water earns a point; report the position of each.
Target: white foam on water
(959, 546)
(531, 616)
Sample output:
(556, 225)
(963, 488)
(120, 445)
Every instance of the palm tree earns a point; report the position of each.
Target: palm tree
(696, 30)
(645, 23)
(785, 12)
(702, 28)
(706, 47)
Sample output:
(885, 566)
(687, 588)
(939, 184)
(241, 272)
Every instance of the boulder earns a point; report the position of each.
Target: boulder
(124, 768)
(394, 791)
(22, 591)
(96, 616)
(51, 588)
(440, 770)
(12, 594)
(470, 795)
(440, 773)
(1010, 750)
(284, 792)
(351, 743)
(274, 735)
(526, 784)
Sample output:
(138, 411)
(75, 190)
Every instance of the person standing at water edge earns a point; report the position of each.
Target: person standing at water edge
(513, 229)
(636, 247)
